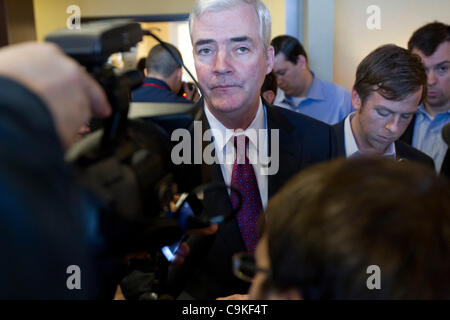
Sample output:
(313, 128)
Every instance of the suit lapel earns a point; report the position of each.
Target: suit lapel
(340, 138)
(445, 168)
(288, 152)
(408, 134)
(401, 153)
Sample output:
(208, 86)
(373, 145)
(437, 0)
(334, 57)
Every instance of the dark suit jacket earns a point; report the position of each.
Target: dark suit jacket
(207, 271)
(154, 90)
(407, 138)
(403, 150)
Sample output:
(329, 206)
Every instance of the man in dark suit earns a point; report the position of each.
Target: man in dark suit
(232, 57)
(390, 83)
(432, 43)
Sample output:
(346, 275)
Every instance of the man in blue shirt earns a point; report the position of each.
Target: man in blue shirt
(163, 78)
(432, 43)
(300, 90)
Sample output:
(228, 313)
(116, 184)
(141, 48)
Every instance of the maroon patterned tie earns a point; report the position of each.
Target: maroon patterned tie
(243, 178)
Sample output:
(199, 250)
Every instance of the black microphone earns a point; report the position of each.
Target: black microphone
(446, 133)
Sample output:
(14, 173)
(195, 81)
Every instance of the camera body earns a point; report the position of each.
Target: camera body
(126, 163)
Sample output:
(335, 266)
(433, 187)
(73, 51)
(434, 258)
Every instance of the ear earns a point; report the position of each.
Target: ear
(269, 96)
(270, 57)
(301, 60)
(180, 73)
(356, 100)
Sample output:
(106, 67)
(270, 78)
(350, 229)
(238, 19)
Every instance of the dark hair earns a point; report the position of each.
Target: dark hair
(391, 71)
(290, 47)
(429, 37)
(270, 83)
(332, 221)
(161, 62)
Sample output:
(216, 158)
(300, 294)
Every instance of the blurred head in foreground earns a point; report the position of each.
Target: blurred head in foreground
(357, 229)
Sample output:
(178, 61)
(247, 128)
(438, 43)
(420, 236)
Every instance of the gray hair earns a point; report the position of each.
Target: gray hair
(261, 10)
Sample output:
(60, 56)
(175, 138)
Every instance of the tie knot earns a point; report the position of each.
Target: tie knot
(241, 146)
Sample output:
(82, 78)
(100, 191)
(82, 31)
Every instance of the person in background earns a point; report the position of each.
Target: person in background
(432, 43)
(163, 78)
(300, 90)
(389, 86)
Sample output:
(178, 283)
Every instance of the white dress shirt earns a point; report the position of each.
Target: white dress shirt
(351, 148)
(225, 151)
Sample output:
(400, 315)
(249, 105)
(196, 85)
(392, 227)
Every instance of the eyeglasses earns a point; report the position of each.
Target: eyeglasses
(244, 266)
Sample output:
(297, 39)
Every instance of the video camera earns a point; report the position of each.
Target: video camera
(126, 163)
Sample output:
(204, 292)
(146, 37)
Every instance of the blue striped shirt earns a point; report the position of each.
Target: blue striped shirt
(427, 135)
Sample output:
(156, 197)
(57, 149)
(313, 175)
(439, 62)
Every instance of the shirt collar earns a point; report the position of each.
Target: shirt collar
(351, 148)
(315, 91)
(350, 143)
(157, 82)
(421, 110)
(257, 124)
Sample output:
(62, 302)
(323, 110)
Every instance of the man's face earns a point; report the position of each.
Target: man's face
(380, 122)
(289, 75)
(437, 67)
(230, 61)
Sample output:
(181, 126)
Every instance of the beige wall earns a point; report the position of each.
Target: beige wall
(278, 12)
(135, 7)
(161, 29)
(318, 27)
(399, 18)
(51, 14)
